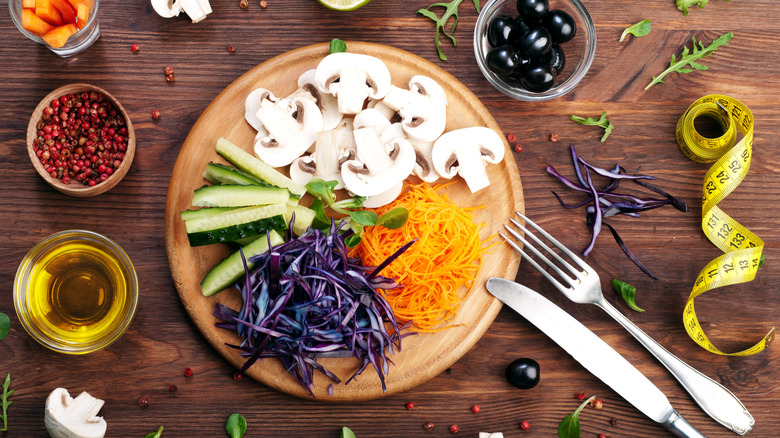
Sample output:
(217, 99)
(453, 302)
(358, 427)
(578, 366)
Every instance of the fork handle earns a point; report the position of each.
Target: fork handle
(714, 399)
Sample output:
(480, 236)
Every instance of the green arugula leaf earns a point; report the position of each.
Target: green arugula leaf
(450, 11)
(157, 434)
(690, 57)
(4, 402)
(236, 425)
(638, 30)
(569, 427)
(5, 325)
(337, 46)
(364, 217)
(683, 5)
(601, 122)
(347, 433)
(627, 292)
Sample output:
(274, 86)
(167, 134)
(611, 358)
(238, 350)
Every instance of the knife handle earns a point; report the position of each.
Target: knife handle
(713, 398)
(680, 427)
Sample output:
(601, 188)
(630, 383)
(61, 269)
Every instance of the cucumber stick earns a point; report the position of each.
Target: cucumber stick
(304, 217)
(238, 196)
(217, 173)
(231, 268)
(235, 216)
(256, 167)
(203, 212)
(233, 233)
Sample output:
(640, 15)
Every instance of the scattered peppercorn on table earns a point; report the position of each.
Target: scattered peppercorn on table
(165, 72)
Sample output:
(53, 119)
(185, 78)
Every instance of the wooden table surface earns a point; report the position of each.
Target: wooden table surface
(162, 340)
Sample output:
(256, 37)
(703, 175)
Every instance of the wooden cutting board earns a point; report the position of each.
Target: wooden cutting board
(422, 356)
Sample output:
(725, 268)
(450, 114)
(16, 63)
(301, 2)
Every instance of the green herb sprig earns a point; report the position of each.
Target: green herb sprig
(337, 46)
(601, 122)
(235, 426)
(689, 58)
(638, 30)
(683, 5)
(450, 11)
(5, 325)
(156, 434)
(347, 433)
(627, 292)
(4, 402)
(569, 427)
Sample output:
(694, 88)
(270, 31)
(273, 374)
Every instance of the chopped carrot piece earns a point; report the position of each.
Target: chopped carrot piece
(28, 4)
(48, 13)
(33, 23)
(75, 3)
(82, 12)
(57, 37)
(446, 256)
(66, 10)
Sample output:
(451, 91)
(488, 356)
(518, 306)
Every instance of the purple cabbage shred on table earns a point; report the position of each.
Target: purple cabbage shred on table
(607, 202)
(307, 299)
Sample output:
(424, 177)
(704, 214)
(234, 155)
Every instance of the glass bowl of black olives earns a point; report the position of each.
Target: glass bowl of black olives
(534, 50)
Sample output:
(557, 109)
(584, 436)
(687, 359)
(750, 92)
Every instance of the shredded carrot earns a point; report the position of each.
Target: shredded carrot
(446, 256)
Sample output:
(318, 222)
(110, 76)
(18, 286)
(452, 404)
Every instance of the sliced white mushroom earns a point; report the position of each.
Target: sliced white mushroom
(327, 103)
(68, 417)
(252, 104)
(466, 152)
(384, 198)
(378, 167)
(423, 107)
(385, 110)
(166, 8)
(323, 163)
(371, 117)
(289, 136)
(195, 9)
(423, 166)
(352, 78)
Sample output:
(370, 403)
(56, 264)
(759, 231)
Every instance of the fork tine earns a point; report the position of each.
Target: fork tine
(576, 259)
(549, 250)
(530, 260)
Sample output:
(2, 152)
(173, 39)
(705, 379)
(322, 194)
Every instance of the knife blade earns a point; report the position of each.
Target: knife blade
(592, 353)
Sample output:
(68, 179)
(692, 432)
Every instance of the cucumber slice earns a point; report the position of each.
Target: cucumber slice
(256, 167)
(238, 196)
(203, 212)
(236, 216)
(237, 232)
(217, 173)
(304, 217)
(231, 268)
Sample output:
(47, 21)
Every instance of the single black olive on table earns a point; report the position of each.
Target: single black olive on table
(561, 26)
(532, 10)
(502, 60)
(534, 43)
(499, 30)
(555, 58)
(538, 79)
(523, 373)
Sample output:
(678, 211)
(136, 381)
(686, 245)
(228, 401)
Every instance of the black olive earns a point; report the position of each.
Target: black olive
(561, 25)
(523, 373)
(555, 58)
(532, 9)
(519, 28)
(523, 64)
(534, 43)
(499, 29)
(538, 78)
(502, 60)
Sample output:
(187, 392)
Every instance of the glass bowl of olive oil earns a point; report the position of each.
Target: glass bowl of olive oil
(76, 292)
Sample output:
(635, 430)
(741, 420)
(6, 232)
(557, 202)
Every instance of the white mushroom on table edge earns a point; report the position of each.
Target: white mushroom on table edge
(197, 10)
(352, 78)
(466, 152)
(288, 136)
(67, 417)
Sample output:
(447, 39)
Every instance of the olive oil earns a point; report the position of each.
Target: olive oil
(78, 292)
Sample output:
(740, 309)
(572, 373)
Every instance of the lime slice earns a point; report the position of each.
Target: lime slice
(343, 5)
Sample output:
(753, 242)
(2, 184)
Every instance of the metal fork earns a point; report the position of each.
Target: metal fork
(585, 288)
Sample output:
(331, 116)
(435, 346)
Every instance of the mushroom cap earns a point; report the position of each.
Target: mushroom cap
(352, 77)
(328, 104)
(67, 417)
(379, 167)
(252, 104)
(423, 107)
(166, 8)
(466, 152)
(423, 166)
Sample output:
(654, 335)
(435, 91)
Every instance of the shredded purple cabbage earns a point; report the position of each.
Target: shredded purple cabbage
(607, 202)
(307, 299)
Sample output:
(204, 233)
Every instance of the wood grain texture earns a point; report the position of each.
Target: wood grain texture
(163, 339)
(422, 356)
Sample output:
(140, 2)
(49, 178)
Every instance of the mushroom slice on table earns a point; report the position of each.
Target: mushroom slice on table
(466, 152)
(252, 104)
(195, 9)
(378, 167)
(166, 8)
(352, 78)
(323, 163)
(289, 136)
(68, 417)
(423, 166)
(423, 107)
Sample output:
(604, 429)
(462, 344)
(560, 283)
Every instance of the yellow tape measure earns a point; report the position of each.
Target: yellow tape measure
(742, 248)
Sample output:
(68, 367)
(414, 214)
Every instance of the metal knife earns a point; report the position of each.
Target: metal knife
(592, 353)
